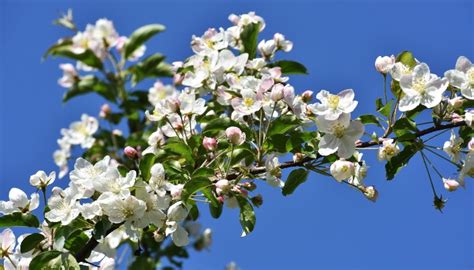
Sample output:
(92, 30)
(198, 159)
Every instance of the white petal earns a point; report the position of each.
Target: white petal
(346, 148)
(180, 237)
(408, 103)
(328, 145)
(468, 92)
(8, 240)
(457, 78)
(34, 202)
(463, 64)
(18, 198)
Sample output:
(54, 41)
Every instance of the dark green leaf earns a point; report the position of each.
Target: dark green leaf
(399, 161)
(140, 36)
(181, 149)
(76, 241)
(216, 210)
(247, 216)
(249, 38)
(290, 67)
(31, 242)
(90, 84)
(87, 57)
(145, 165)
(295, 178)
(194, 185)
(63, 43)
(369, 119)
(54, 260)
(19, 220)
(143, 263)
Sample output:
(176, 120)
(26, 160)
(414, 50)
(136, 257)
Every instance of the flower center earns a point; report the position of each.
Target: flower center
(419, 86)
(333, 101)
(338, 130)
(248, 102)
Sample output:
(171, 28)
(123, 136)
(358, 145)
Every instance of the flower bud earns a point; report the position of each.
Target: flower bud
(222, 186)
(250, 186)
(209, 143)
(388, 150)
(176, 190)
(277, 92)
(158, 236)
(450, 184)
(469, 118)
(307, 96)
(371, 193)
(235, 135)
(257, 200)
(130, 152)
(297, 157)
(456, 103)
(384, 64)
(105, 111)
(342, 169)
(220, 199)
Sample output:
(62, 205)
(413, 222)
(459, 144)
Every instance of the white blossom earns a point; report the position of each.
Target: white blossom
(462, 77)
(332, 106)
(63, 206)
(388, 150)
(342, 170)
(453, 147)
(19, 202)
(69, 77)
(384, 64)
(177, 213)
(249, 103)
(119, 209)
(467, 169)
(273, 171)
(41, 180)
(421, 87)
(340, 135)
(85, 175)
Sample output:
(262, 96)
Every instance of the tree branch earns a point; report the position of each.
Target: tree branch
(418, 134)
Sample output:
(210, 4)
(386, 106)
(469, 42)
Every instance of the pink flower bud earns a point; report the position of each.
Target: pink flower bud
(130, 152)
(450, 184)
(277, 92)
(456, 102)
(221, 199)
(235, 135)
(222, 186)
(209, 143)
(105, 110)
(307, 95)
(384, 64)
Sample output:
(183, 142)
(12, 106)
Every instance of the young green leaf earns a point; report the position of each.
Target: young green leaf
(30, 242)
(140, 36)
(369, 119)
(87, 57)
(249, 38)
(145, 165)
(290, 67)
(247, 216)
(19, 220)
(295, 178)
(283, 124)
(90, 84)
(194, 185)
(399, 161)
(407, 59)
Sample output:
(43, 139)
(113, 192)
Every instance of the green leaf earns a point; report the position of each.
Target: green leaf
(218, 125)
(295, 178)
(249, 38)
(181, 149)
(19, 220)
(54, 260)
(369, 119)
(87, 57)
(145, 165)
(205, 172)
(89, 84)
(143, 263)
(290, 67)
(210, 196)
(247, 215)
(403, 126)
(75, 241)
(31, 242)
(140, 36)
(407, 59)
(383, 109)
(399, 161)
(283, 124)
(62, 43)
(194, 185)
(101, 228)
(240, 154)
(216, 211)
(151, 67)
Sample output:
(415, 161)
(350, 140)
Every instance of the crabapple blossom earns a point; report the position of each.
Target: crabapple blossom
(332, 106)
(398, 70)
(273, 171)
(462, 77)
(248, 104)
(69, 77)
(177, 213)
(130, 152)
(384, 64)
(342, 169)
(469, 118)
(19, 202)
(339, 136)
(41, 180)
(63, 206)
(421, 87)
(235, 135)
(450, 184)
(7, 243)
(388, 150)
(85, 175)
(119, 209)
(453, 147)
(155, 141)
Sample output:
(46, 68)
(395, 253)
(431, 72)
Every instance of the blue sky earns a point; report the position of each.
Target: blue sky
(323, 225)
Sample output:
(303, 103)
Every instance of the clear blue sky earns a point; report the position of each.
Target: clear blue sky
(323, 225)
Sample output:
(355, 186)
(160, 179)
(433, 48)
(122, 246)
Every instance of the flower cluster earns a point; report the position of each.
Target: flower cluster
(79, 133)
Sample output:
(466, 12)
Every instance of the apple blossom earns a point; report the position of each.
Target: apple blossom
(177, 213)
(119, 209)
(235, 135)
(69, 77)
(342, 170)
(63, 206)
(421, 87)
(467, 168)
(41, 180)
(7, 243)
(209, 143)
(339, 136)
(248, 104)
(384, 64)
(371, 193)
(130, 152)
(388, 150)
(450, 184)
(190, 105)
(155, 142)
(469, 118)
(453, 147)
(85, 175)
(273, 171)
(282, 43)
(462, 77)
(19, 202)
(332, 106)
